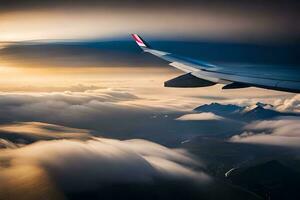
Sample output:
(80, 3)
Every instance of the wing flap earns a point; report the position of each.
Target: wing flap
(235, 85)
(188, 81)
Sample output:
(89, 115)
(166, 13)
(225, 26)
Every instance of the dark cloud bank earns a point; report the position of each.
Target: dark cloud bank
(148, 4)
(99, 53)
(246, 21)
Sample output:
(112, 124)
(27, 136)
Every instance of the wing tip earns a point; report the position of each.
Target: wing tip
(139, 40)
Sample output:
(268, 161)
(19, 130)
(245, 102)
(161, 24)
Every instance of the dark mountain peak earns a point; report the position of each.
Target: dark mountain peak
(259, 107)
(231, 108)
(264, 105)
(219, 109)
(259, 112)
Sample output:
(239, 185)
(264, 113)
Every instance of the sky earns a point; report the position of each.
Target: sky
(243, 20)
(78, 98)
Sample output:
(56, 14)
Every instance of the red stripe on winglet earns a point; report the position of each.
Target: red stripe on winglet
(136, 37)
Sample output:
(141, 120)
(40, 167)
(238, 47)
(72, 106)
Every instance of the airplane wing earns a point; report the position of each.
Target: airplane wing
(203, 74)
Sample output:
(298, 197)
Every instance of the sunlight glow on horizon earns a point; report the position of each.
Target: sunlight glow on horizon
(29, 79)
(102, 23)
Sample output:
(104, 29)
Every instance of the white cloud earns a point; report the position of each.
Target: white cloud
(86, 165)
(72, 108)
(39, 130)
(267, 139)
(283, 126)
(7, 144)
(288, 105)
(284, 131)
(200, 116)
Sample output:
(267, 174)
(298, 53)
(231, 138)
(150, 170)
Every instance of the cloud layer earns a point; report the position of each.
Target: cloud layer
(65, 162)
(19, 134)
(75, 165)
(66, 107)
(282, 131)
(289, 104)
(200, 117)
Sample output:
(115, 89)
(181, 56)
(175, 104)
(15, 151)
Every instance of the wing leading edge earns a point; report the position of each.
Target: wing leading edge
(210, 74)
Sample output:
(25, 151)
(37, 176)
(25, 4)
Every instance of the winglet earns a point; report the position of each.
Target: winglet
(140, 41)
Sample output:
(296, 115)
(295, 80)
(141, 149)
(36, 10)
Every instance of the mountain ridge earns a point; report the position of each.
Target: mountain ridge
(259, 111)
